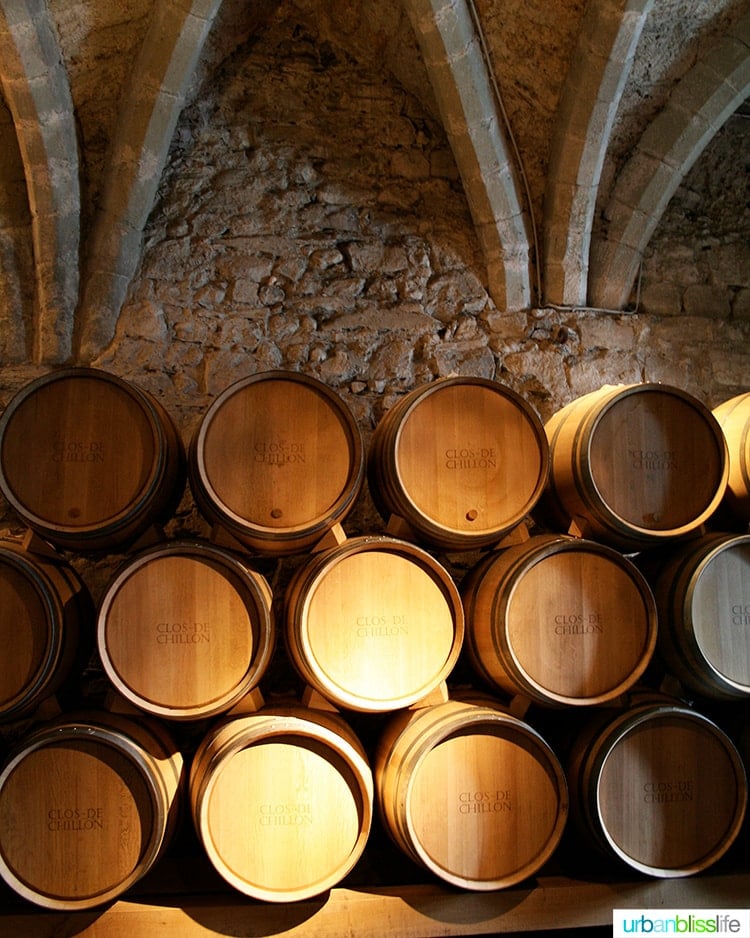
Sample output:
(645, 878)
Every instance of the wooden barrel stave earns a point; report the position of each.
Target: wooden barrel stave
(562, 621)
(461, 461)
(282, 801)
(89, 460)
(470, 793)
(277, 462)
(354, 610)
(634, 465)
(88, 805)
(186, 629)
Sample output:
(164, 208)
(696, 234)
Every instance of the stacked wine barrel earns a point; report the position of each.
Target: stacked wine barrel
(520, 571)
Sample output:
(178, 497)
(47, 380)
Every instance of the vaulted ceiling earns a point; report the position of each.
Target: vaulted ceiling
(572, 125)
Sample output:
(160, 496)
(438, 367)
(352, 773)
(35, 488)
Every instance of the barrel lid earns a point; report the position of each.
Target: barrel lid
(185, 630)
(655, 457)
(283, 807)
(377, 621)
(578, 620)
(671, 791)
(278, 452)
(718, 602)
(485, 807)
(79, 451)
(470, 457)
(78, 819)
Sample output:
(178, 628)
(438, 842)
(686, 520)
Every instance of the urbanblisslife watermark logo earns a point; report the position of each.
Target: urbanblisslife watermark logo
(693, 923)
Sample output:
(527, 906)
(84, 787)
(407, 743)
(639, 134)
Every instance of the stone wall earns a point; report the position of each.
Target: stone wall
(311, 218)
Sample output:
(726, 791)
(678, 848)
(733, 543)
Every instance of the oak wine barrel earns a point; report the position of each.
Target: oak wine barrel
(89, 460)
(702, 592)
(470, 793)
(282, 802)
(634, 465)
(461, 460)
(563, 621)
(277, 461)
(658, 787)
(374, 624)
(734, 418)
(45, 626)
(185, 629)
(88, 804)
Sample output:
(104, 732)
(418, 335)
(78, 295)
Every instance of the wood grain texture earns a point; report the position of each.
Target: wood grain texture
(734, 418)
(89, 460)
(703, 596)
(661, 787)
(635, 465)
(186, 629)
(277, 461)
(472, 793)
(560, 620)
(282, 801)
(462, 461)
(374, 624)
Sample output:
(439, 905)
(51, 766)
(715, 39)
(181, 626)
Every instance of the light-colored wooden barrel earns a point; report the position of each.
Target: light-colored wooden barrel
(660, 787)
(374, 624)
(87, 806)
(560, 620)
(703, 597)
(185, 629)
(46, 616)
(88, 460)
(462, 461)
(734, 418)
(473, 794)
(634, 465)
(277, 462)
(282, 801)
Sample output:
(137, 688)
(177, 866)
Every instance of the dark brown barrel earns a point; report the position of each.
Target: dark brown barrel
(703, 596)
(473, 794)
(560, 620)
(462, 461)
(87, 806)
(634, 465)
(46, 617)
(88, 460)
(374, 624)
(660, 787)
(282, 801)
(277, 461)
(734, 418)
(186, 630)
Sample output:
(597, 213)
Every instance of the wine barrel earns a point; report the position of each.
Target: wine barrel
(734, 418)
(374, 624)
(634, 465)
(185, 629)
(462, 461)
(277, 461)
(702, 592)
(560, 620)
(471, 793)
(47, 615)
(282, 802)
(88, 804)
(88, 460)
(658, 787)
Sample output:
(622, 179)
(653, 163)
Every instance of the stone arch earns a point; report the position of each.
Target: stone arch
(700, 104)
(603, 58)
(463, 88)
(162, 74)
(35, 86)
